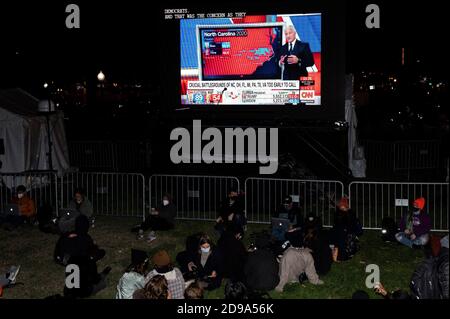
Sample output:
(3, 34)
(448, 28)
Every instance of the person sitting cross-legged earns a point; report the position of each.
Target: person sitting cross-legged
(415, 226)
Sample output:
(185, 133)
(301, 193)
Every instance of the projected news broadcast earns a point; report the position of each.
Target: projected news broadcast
(256, 60)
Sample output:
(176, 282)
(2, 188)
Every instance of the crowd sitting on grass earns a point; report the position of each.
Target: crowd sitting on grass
(293, 252)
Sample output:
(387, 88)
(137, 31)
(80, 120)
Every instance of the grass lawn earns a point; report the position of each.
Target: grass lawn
(33, 250)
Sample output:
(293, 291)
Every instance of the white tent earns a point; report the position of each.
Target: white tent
(23, 133)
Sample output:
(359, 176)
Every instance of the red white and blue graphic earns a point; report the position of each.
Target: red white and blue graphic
(247, 48)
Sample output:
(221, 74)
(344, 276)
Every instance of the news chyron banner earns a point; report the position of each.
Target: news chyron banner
(256, 60)
(251, 92)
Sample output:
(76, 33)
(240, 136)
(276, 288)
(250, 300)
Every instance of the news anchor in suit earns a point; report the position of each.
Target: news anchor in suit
(295, 56)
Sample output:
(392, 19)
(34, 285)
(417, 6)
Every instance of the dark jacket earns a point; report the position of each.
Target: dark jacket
(303, 52)
(347, 222)
(89, 277)
(188, 255)
(213, 263)
(234, 255)
(168, 212)
(321, 252)
(261, 270)
(227, 208)
(80, 244)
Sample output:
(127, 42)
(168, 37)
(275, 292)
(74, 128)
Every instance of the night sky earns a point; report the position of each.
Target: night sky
(120, 37)
(124, 39)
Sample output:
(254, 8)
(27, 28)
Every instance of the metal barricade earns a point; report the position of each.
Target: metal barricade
(196, 197)
(264, 196)
(112, 194)
(402, 155)
(372, 201)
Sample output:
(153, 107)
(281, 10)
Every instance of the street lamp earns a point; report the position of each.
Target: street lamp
(101, 76)
(101, 79)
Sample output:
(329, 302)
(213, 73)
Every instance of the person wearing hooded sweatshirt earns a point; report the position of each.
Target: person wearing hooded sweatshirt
(82, 204)
(77, 243)
(174, 277)
(79, 249)
(134, 277)
(415, 226)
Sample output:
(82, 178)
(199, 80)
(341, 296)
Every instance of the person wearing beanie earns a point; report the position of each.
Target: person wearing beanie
(163, 266)
(415, 226)
(134, 276)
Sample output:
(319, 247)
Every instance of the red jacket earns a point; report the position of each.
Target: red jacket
(26, 206)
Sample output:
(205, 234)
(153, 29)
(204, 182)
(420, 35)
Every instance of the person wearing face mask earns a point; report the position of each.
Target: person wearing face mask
(161, 218)
(82, 204)
(415, 226)
(207, 264)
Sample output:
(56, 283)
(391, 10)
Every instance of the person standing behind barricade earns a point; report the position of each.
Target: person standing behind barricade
(82, 204)
(415, 226)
